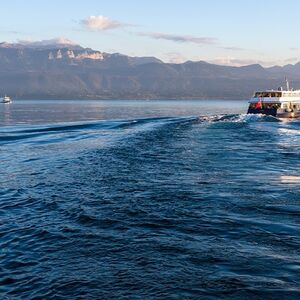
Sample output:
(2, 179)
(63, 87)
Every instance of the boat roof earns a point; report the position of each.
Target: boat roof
(286, 91)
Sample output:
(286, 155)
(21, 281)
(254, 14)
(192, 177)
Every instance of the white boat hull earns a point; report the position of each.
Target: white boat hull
(6, 99)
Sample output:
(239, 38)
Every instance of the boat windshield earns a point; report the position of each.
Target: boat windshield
(267, 94)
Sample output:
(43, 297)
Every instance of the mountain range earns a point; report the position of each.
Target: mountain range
(64, 70)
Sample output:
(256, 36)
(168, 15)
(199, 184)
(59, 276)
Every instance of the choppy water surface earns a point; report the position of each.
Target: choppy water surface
(153, 203)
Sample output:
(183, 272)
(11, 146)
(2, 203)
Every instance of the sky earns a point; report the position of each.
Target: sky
(227, 32)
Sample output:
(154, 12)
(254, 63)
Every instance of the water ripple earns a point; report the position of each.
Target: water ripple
(151, 208)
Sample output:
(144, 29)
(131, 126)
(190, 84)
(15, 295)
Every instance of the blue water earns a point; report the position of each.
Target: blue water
(148, 200)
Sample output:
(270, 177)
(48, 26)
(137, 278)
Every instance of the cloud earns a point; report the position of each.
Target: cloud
(55, 41)
(10, 31)
(236, 62)
(233, 48)
(291, 60)
(180, 38)
(101, 23)
(175, 57)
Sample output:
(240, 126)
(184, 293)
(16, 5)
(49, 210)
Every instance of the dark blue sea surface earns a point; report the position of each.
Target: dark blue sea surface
(148, 200)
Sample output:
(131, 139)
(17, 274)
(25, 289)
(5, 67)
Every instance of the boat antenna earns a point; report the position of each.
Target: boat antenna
(287, 84)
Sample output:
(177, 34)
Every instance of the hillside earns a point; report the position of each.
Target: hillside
(59, 71)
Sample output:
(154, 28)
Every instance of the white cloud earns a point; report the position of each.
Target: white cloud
(101, 23)
(55, 41)
(175, 57)
(238, 62)
(291, 60)
(180, 38)
(233, 48)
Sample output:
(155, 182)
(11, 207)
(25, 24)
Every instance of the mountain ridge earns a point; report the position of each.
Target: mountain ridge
(61, 69)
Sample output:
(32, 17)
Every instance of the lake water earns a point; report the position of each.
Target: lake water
(148, 200)
(42, 112)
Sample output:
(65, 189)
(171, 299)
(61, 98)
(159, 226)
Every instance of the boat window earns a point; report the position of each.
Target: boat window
(272, 105)
(255, 106)
(267, 94)
(276, 94)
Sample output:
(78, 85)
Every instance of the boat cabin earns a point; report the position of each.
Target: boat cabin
(277, 103)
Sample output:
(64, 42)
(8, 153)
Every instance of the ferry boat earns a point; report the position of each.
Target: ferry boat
(278, 103)
(6, 99)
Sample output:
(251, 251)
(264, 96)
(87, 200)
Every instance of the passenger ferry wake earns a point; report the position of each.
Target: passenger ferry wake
(161, 207)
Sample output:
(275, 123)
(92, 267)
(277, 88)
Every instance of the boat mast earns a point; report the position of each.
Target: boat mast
(287, 84)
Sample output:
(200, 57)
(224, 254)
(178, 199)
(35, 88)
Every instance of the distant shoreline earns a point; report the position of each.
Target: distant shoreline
(126, 99)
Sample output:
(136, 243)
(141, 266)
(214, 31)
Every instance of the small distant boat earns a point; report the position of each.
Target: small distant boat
(6, 99)
(278, 103)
